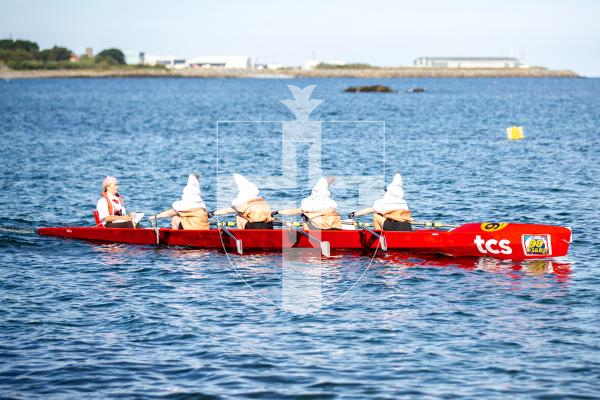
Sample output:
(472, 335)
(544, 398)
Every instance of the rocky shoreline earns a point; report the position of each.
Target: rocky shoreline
(396, 72)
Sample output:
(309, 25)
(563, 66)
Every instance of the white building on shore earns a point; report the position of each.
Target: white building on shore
(167, 61)
(238, 62)
(469, 62)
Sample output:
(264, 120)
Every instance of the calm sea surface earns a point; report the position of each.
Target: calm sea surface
(83, 320)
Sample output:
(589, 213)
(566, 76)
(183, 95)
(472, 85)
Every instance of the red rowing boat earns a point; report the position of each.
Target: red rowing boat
(499, 240)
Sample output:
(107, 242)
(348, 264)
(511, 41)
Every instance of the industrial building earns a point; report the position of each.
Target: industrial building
(469, 62)
(167, 61)
(239, 62)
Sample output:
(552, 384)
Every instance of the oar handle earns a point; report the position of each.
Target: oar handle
(429, 224)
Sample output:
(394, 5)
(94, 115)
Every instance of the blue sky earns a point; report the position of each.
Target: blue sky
(558, 34)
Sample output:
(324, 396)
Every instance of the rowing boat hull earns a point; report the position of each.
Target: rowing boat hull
(506, 241)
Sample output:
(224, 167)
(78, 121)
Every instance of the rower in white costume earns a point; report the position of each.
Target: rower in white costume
(252, 211)
(189, 212)
(391, 212)
(319, 209)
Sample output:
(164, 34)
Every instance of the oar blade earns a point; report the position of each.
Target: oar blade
(156, 231)
(326, 248)
(383, 243)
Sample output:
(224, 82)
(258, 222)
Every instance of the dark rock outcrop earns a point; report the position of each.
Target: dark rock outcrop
(368, 89)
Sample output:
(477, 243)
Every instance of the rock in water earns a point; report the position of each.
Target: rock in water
(368, 89)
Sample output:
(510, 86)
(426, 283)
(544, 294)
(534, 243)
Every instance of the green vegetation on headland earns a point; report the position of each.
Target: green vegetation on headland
(26, 55)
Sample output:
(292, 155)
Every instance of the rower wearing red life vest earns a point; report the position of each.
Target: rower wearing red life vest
(391, 212)
(252, 211)
(190, 212)
(319, 209)
(111, 207)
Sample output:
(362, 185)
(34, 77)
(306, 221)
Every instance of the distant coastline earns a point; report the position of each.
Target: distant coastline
(392, 72)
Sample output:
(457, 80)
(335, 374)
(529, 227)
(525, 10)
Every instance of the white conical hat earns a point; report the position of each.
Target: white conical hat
(393, 199)
(191, 197)
(319, 199)
(247, 190)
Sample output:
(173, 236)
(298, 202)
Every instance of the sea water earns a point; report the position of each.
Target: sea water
(85, 320)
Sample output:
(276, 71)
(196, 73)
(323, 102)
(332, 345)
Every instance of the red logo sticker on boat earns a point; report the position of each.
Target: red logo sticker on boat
(493, 226)
(537, 245)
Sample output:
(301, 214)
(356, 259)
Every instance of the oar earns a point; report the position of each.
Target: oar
(238, 242)
(382, 240)
(430, 224)
(433, 224)
(156, 231)
(325, 245)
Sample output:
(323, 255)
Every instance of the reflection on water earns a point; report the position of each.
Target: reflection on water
(561, 270)
(312, 281)
(111, 254)
(301, 280)
(338, 271)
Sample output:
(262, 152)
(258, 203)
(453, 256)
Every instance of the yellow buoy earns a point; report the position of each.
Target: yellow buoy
(515, 133)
